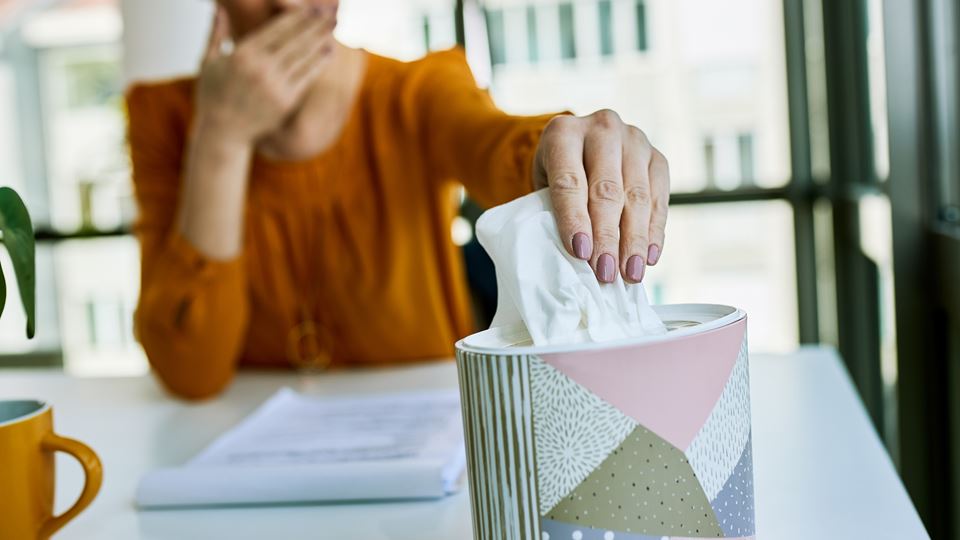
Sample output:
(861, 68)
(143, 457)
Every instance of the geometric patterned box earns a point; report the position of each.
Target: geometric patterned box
(646, 439)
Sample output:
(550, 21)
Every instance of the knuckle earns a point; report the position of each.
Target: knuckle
(567, 181)
(638, 196)
(637, 136)
(558, 124)
(607, 118)
(607, 190)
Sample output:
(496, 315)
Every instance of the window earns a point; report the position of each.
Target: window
(88, 174)
(568, 48)
(729, 161)
(533, 46)
(710, 163)
(426, 31)
(714, 254)
(718, 75)
(61, 96)
(438, 30)
(745, 145)
(495, 34)
(640, 8)
(99, 282)
(605, 8)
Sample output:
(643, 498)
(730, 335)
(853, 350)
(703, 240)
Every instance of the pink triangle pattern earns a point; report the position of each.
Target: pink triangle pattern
(670, 387)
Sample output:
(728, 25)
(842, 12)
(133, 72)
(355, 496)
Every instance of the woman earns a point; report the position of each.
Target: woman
(296, 198)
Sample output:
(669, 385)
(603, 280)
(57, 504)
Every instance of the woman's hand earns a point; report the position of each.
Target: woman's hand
(610, 189)
(251, 92)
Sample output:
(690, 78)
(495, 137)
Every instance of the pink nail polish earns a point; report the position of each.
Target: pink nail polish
(635, 268)
(653, 254)
(582, 246)
(606, 268)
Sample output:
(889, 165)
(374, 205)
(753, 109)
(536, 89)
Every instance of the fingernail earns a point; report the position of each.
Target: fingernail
(606, 267)
(653, 254)
(635, 268)
(581, 246)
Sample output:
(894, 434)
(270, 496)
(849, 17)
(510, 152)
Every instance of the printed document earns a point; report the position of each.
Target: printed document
(297, 448)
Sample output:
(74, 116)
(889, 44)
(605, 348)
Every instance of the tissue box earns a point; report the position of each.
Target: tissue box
(640, 439)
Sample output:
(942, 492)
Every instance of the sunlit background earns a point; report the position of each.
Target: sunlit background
(788, 188)
(706, 80)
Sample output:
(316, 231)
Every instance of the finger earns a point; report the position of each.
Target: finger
(602, 157)
(295, 49)
(278, 29)
(219, 32)
(309, 73)
(309, 65)
(635, 222)
(562, 160)
(308, 19)
(660, 199)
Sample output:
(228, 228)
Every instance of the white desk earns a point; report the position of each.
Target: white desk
(821, 472)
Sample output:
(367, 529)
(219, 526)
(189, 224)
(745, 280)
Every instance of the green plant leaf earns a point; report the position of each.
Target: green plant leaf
(3, 290)
(18, 238)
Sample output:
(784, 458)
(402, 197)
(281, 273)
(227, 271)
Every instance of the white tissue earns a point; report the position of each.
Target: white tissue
(556, 296)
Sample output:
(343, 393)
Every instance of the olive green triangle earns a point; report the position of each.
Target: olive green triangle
(645, 486)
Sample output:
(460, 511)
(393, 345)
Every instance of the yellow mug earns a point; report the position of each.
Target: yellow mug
(27, 445)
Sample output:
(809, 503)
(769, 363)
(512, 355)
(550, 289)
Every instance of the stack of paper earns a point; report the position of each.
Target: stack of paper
(306, 449)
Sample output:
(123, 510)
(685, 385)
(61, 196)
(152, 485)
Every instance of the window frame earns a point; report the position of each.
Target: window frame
(923, 124)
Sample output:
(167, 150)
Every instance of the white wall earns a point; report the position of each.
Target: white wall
(163, 38)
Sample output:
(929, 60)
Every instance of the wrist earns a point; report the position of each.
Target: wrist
(218, 129)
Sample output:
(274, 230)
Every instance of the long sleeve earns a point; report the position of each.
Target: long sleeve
(467, 137)
(193, 312)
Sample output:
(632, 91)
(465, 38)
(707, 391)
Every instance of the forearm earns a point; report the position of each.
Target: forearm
(211, 209)
(192, 317)
(495, 159)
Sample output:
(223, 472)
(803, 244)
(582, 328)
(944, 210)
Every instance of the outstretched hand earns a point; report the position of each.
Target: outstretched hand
(610, 190)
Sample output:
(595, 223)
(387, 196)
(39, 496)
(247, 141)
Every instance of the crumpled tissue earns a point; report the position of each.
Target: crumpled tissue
(556, 296)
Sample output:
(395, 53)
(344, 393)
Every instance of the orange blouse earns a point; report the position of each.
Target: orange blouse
(358, 236)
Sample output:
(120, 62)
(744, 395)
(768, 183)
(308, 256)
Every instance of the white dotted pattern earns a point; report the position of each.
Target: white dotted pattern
(717, 448)
(573, 429)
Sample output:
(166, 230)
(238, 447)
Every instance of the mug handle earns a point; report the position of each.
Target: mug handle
(93, 477)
